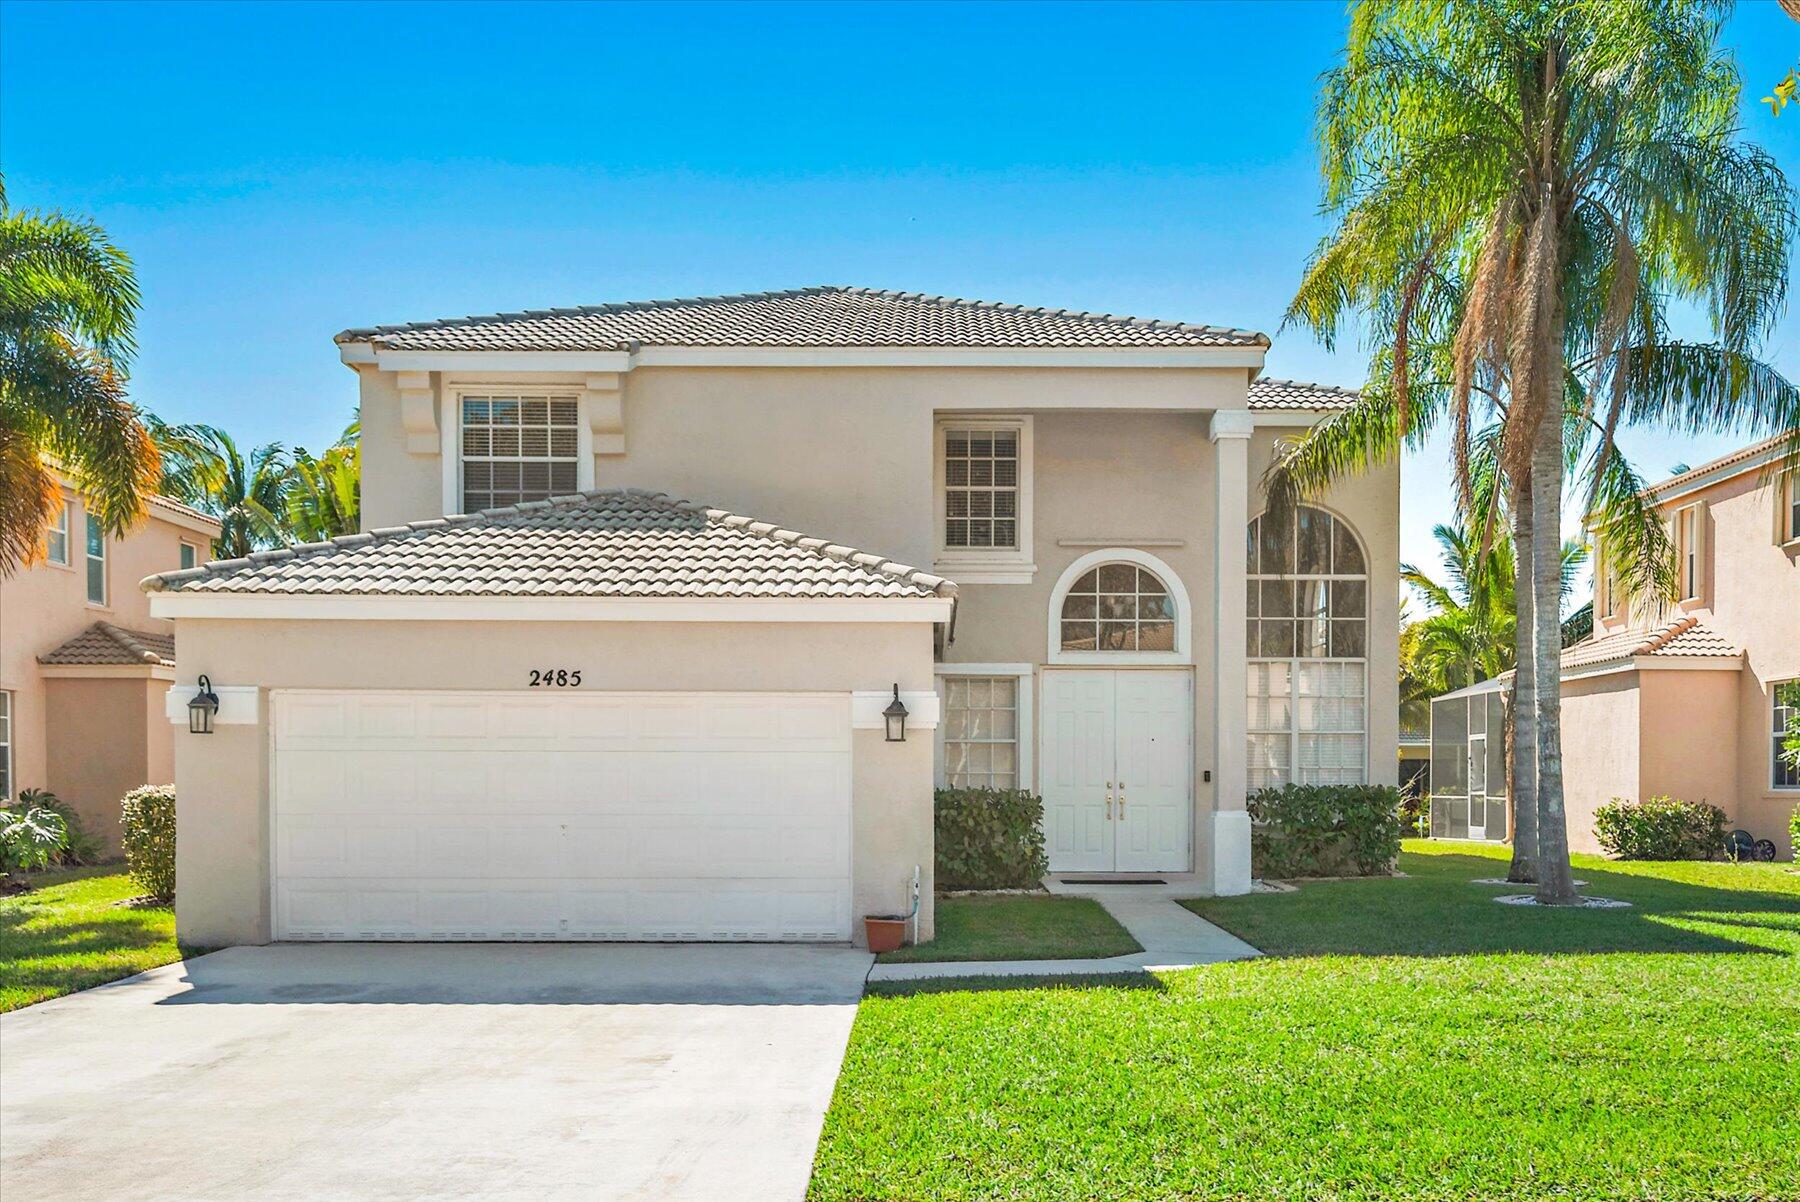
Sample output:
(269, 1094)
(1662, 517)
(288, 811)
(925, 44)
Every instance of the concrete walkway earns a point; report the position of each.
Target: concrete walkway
(534, 1073)
(1172, 937)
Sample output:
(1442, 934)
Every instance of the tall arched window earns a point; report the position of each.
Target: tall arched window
(1307, 610)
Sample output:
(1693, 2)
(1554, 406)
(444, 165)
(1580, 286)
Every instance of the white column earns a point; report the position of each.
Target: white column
(1230, 854)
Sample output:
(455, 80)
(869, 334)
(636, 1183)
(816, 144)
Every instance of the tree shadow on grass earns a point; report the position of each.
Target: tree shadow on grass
(1435, 911)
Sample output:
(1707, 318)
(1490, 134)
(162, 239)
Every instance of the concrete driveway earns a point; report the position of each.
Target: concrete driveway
(419, 1071)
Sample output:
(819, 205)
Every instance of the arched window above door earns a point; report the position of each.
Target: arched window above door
(1119, 605)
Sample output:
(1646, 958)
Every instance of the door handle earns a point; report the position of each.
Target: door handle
(1121, 799)
(1109, 801)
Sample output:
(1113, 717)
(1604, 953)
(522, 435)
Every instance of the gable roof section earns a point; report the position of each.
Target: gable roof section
(1268, 394)
(104, 643)
(1683, 637)
(801, 317)
(605, 543)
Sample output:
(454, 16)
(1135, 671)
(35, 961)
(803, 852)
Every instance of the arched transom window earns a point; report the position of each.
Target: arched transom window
(1118, 607)
(1307, 632)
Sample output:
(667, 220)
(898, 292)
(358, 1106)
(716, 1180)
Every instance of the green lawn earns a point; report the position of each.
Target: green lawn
(1406, 1039)
(70, 933)
(1025, 926)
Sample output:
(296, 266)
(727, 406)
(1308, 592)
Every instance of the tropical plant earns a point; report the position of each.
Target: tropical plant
(68, 302)
(1521, 190)
(80, 846)
(31, 836)
(324, 494)
(989, 839)
(204, 467)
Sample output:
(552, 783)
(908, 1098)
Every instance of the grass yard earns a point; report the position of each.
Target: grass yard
(1025, 926)
(1406, 1039)
(70, 933)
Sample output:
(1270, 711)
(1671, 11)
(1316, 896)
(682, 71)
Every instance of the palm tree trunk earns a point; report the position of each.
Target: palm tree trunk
(1521, 715)
(1556, 884)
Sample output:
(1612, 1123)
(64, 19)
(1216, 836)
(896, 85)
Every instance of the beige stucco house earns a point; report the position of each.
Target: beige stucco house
(603, 705)
(1684, 700)
(84, 666)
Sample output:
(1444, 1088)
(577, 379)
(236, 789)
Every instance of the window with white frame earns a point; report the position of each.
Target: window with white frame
(190, 555)
(1784, 772)
(518, 448)
(1787, 496)
(983, 486)
(1690, 559)
(1607, 594)
(1118, 607)
(96, 561)
(56, 539)
(1307, 610)
(981, 732)
(6, 742)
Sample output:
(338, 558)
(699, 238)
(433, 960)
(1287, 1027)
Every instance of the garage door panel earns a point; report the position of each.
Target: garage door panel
(565, 816)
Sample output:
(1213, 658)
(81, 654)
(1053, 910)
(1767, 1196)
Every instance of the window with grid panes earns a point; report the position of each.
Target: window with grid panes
(1118, 607)
(981, 732)
(1307, 610)
(981, 488)
(517, 448)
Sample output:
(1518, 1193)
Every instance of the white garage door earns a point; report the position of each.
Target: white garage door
(414, 815)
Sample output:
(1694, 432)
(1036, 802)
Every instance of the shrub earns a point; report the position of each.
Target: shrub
(1325, 830)
(1794, 832)
(83, 846)
(989, 839)
(147, 816)
(1662, 828)
(31, 837)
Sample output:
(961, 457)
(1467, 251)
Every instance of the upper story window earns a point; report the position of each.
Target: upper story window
(983, 478)
(1307, 610)
(1690, 562)
(96, 562)
(56, 540)
(1606, 583)
(190, 555)
(1787, 499)
(518, 448)
(1118, 607)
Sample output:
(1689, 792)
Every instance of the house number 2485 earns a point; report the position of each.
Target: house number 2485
(555, 678)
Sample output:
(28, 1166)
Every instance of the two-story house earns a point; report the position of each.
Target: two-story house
(1687, 700)
(84, 666)
(562, 688)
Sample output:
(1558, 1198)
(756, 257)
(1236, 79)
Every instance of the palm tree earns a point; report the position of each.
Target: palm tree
(324, 494)
(1521, 189)
(203, 467)
(68, 303)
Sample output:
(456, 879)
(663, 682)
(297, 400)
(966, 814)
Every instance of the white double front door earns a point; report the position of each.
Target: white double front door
(1116, 769)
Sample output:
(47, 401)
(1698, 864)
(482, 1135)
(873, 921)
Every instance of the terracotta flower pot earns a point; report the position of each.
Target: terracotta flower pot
(885, 934)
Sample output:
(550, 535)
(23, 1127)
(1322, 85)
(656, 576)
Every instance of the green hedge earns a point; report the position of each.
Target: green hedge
(1794, 832)
(1324, 830)
(147, 817)
(989, 839)
(1663, 828)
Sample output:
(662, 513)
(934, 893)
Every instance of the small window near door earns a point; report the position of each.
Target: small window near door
(190, 555)
(56, 540)
(981, 732)
(96, 562)
(6, 774)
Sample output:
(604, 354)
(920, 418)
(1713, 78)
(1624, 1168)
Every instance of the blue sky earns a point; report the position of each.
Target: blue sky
(282, 171)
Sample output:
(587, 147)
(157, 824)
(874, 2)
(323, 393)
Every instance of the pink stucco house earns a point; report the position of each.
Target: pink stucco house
(1685, 699)
(84, 668)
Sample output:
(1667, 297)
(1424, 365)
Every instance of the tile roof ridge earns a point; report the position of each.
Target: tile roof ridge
(1118, 319)
(1665, 634)
(369, 333)
(1278, 382)
(128, 640)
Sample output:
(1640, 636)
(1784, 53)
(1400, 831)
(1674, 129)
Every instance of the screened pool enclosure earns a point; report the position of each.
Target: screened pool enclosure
(1468, 763)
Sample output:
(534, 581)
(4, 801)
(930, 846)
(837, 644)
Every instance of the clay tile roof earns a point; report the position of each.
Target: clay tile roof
(1291, 394)
(606, 543)
(1684, 636)
(804, 317)
(104, 643)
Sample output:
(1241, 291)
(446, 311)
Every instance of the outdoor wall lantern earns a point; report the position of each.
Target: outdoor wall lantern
(201, 709)
(895, 714)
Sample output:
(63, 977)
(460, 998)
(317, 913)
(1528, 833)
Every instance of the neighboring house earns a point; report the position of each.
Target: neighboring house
(600, 709)
(1686, 699)
(84, 666)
